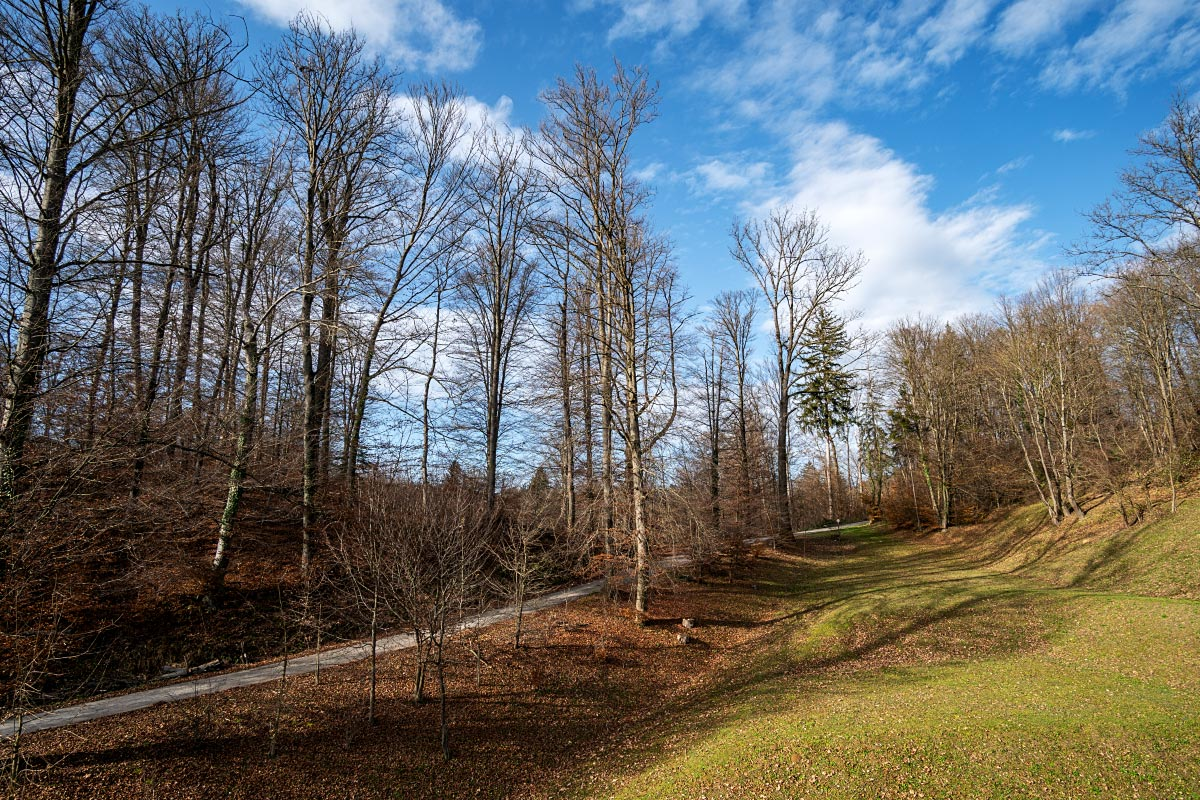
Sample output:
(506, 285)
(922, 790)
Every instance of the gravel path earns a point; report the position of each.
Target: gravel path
(301, 665)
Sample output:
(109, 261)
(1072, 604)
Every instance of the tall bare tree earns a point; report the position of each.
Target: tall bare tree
(260, 185)
(714, 358)
(799, 272)
(337, 105)
(734, 314)
(647, 321)
(1050, 357)
(1147, 330)
(583, 148)
(562, 332)
(67, 93)
(428, 213)
(927, 362)
(499, 286)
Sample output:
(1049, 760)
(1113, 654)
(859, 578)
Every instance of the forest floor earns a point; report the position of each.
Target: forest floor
(1013, 660)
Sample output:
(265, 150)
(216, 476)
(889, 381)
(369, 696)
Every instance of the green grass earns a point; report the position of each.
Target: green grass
(1028, 662)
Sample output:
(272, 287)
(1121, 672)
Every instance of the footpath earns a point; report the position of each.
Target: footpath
(265, 673)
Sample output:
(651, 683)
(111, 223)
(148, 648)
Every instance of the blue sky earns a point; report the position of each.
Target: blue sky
(956, 142)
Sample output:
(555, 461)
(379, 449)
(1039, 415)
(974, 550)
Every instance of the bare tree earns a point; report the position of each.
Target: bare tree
(927, 364)
(429, 208)
(434, 572)
(1050, 358)
(338, 107)
(799, 272)
(260, 187)
(647, 321)
(64, 110)
(428, 379)
(1158, 204)
(734, 314)
(561, 331)
(1145, 326)
(498, 288)
(713, 357)
(520, 550)
(367, 549)
(583, 148)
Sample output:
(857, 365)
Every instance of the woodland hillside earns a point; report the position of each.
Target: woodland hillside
(296, 353)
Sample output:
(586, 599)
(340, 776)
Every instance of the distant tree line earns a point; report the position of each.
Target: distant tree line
(1077, 391)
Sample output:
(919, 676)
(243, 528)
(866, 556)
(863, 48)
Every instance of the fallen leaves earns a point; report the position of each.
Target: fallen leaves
(549, 715)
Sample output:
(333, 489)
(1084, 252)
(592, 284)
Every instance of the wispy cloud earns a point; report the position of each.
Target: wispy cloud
(1068, 135)
(1013, 165)
(648, 173)
(718, 175)
(954, 28)
(674, 18)
(850, 53)
(1136, 39)
(419, 34)
(1026, 25)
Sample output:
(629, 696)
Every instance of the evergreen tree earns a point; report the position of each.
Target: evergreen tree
(824, 389)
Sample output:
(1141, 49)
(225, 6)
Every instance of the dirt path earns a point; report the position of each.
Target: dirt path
(265, 673)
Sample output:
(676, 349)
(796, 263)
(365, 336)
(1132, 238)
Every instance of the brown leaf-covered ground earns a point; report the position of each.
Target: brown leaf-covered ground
(523, 723)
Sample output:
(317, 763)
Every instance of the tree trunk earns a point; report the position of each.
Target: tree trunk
(24, 371)
(425, 405)
(374, 660)
(241, 458)
(783, 482)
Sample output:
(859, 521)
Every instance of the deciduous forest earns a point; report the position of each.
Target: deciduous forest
(297, 353)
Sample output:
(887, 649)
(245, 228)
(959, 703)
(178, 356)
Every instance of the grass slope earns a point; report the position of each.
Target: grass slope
(1019, 660)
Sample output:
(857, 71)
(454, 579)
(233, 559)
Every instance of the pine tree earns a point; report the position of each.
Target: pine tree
(824, 389)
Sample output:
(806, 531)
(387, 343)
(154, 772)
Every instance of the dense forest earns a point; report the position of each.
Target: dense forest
(285, 338)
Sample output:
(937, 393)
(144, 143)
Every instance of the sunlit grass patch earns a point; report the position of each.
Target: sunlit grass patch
(907, 670)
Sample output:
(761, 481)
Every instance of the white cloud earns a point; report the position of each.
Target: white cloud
(648, 173)
(782, 58)
(820, 54)
(1027, 24)
(1015, 164)
(850, 54)
(717, 175)
(477, 116)
(952, 30)
(673, 18)
(1068, 135)
(419, 34)
(480, 117)
(479, 113)
(943, 264)
(1137, 39)
(879, 69)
